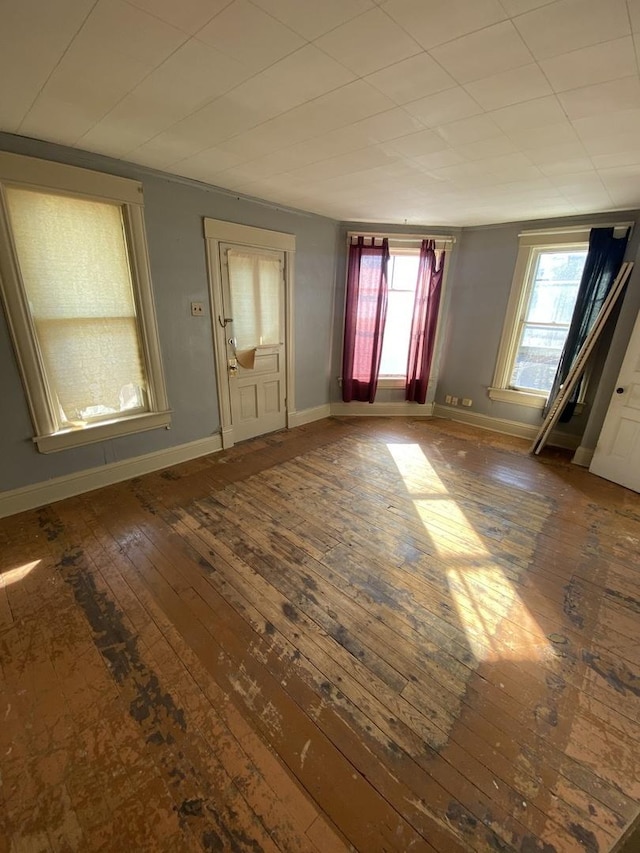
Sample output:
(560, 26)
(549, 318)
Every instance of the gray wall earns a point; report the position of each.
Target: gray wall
(174, 210)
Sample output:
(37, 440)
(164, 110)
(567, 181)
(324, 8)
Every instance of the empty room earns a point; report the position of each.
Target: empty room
(320, 434)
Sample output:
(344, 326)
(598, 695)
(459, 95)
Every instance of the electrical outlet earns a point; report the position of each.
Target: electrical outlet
(197, 309)
(454, 401)
(447, 399)
(466, 401)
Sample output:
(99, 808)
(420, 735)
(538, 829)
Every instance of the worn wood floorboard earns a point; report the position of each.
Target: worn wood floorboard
(368, 634)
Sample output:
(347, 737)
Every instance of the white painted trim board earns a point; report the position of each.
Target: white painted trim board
(58, 488)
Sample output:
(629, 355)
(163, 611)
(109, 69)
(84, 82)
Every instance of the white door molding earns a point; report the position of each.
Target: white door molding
(216, 232)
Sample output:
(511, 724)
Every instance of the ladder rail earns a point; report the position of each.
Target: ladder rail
(580, 361)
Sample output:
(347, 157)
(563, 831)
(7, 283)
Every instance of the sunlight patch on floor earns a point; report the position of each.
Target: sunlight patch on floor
(497, 623)
(17, 574)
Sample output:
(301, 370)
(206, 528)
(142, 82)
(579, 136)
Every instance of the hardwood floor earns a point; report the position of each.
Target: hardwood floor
(380, 635)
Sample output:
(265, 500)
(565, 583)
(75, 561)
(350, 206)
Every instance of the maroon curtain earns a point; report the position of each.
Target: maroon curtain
(423, 325)
(366, 311)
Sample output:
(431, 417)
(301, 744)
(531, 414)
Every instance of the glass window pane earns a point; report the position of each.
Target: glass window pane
(556, 279)
(397, 331)
(74, 263)
(538, 357)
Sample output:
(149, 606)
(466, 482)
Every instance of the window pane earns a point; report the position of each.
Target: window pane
(75, 268)
(556, 279)
(538, 357)
(403, 271)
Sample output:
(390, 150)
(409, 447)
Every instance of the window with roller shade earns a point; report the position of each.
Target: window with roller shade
(79, 300)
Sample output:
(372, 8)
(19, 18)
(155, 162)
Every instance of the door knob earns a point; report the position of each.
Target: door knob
(619, 390)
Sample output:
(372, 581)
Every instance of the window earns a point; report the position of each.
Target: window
(402, 276)
(76, 286)
(545, 286)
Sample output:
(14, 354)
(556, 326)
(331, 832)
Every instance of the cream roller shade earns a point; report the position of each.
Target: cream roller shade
(74, 265)
(256, 285)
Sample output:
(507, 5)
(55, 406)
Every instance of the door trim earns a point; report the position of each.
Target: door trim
(216, 232)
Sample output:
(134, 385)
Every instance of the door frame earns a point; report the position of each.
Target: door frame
(216, 232)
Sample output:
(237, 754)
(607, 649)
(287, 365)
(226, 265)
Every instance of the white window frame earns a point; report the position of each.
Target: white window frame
(531, 244)
(17, 170)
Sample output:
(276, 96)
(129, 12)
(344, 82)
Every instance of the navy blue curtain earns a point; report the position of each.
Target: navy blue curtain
(602, 265)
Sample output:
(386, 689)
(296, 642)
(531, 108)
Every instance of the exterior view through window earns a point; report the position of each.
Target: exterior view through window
(552, 291)
(402, 277)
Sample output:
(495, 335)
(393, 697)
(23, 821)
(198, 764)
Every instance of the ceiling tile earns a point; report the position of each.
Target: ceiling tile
(114, 50)
(39, 32)
(187, 15)
(634, 14)
(440, 159)
(306, 74)
(414, 144)
(490, 51)
(311, 19)
(548, 154)
(205, 164)
(439, 21)
(511, 87)
(566, 167)
(334, 110)
(346, 164)
(59, 121)
(443, 107)
(541, 111)
(369, 42)
(411, 79)
(602, 98)
(596, 64)
(128, 32)
(191, 77)
(519, 7)
(620, 158)
(572, 24)
(249, 35)
(528, 137)
(493, 146)
(466, 130)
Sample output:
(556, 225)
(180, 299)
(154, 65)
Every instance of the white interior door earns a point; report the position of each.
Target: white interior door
(617, 456)
(253, 294)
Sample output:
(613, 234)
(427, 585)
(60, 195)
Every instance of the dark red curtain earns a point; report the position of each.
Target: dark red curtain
(425, 318)
(366, 311)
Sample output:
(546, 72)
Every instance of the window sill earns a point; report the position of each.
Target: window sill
(520, 398)
(76, 437)
(392, 382)
(524, 398)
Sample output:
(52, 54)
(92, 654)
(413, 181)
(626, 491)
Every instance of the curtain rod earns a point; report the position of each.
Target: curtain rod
(403, 238)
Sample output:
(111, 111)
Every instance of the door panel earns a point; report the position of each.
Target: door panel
(617, 456)
(253, 295)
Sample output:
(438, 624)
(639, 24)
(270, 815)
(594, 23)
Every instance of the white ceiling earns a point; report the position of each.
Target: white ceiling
(453, 112)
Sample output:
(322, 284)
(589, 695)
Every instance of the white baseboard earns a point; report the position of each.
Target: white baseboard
(382, 410)
(506, 427)
(307, 416)
(583, 456)
(39, 494)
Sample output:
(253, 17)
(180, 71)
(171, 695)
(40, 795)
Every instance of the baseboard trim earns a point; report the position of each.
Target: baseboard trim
(307, 416)
(382, 410)
(40, 494)
(505, 427)
(583, 456)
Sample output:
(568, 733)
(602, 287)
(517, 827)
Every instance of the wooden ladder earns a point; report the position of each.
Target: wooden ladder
(580, 362)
